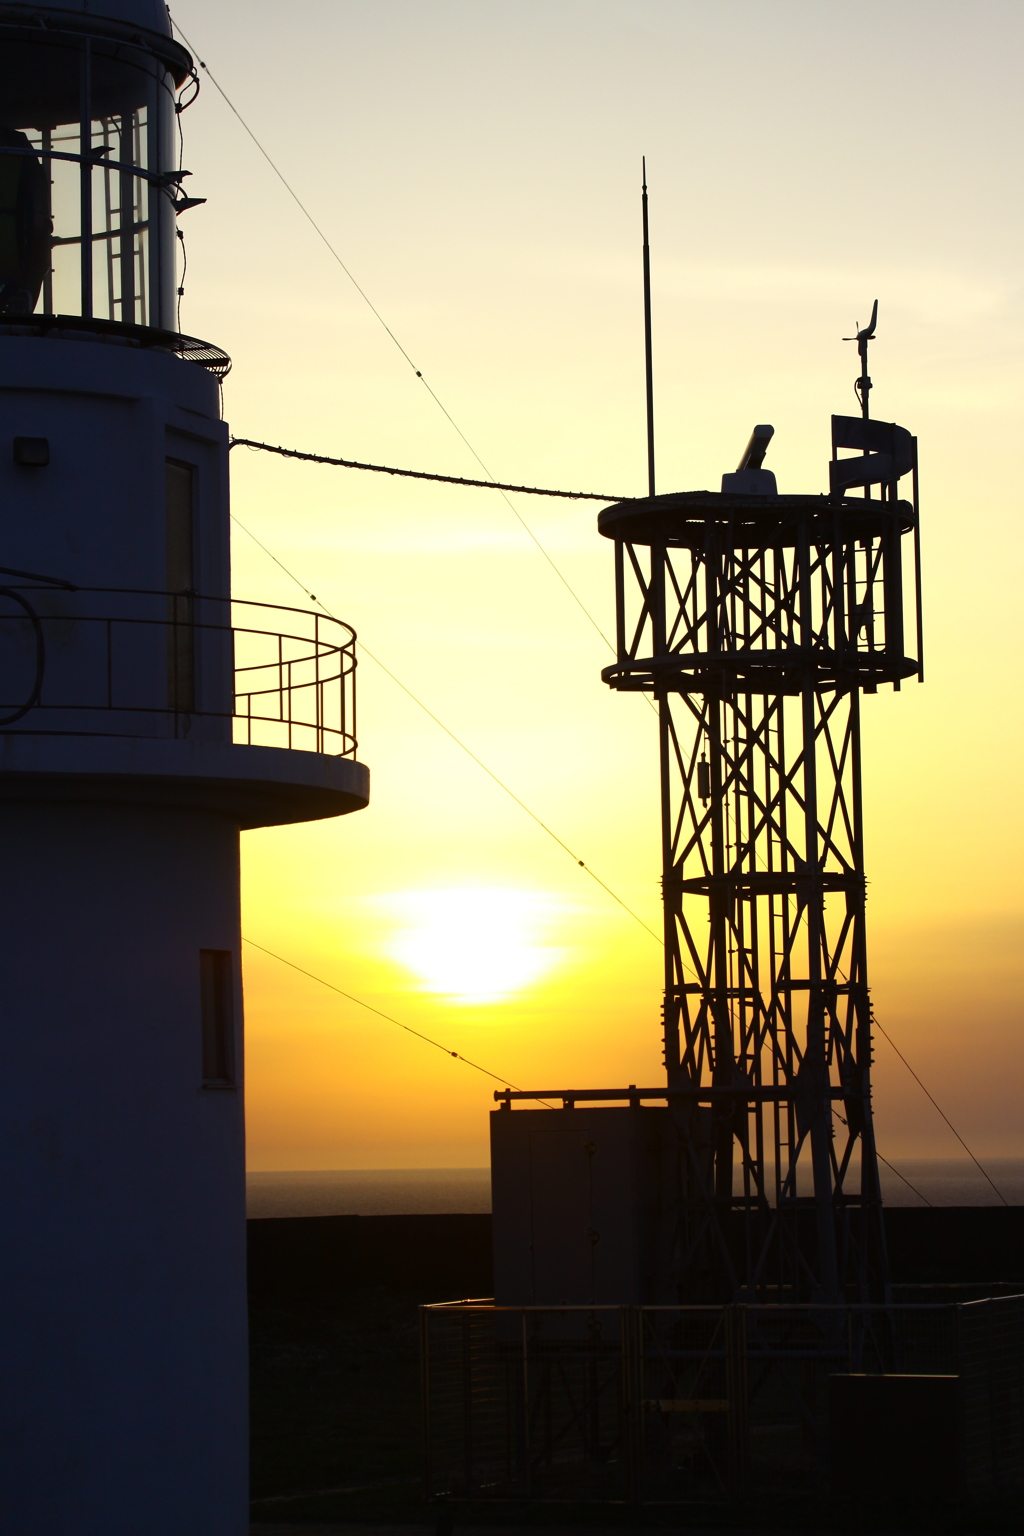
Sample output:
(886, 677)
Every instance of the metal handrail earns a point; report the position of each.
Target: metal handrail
(303, 690)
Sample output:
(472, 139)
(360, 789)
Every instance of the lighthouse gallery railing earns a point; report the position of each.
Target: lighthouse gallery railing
(103, 661)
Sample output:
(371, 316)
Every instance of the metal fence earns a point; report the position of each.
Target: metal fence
(667, 1404)
(991, 1351)
(118, 662)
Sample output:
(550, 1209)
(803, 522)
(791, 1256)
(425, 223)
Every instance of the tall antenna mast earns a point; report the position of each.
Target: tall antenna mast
(862, 385)
(647, 338)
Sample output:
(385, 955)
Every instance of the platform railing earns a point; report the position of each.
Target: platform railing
(661, 1404)
(132, 662)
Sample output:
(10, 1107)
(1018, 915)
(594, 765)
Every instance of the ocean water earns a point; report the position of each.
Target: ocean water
(437, 1191)
(955, 1181)
(370, 1192)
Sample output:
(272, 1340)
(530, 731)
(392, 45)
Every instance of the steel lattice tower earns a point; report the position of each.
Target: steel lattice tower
(756, 621)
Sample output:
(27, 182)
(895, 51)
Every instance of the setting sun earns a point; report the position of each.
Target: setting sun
(473, 944)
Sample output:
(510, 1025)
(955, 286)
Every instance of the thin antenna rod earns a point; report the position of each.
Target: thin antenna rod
(647, 340)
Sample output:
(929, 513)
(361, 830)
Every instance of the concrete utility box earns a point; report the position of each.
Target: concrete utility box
(576, 1198)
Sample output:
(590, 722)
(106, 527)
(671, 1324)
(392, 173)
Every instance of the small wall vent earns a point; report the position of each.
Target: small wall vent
(32, 452)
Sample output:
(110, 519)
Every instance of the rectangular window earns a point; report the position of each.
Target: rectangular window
(179, 481)
(218, 1015)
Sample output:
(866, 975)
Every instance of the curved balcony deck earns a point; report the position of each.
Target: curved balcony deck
(245, 709)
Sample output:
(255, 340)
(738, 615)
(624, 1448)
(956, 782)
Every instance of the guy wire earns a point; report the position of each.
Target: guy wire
(351, 997)
(420, 474)
(376, 312)
(457, 740)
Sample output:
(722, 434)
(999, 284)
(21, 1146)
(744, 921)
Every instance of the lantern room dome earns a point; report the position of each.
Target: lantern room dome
(151, 14)
(129, 45)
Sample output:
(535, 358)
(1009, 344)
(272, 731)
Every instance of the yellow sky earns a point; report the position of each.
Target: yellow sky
(476, 165)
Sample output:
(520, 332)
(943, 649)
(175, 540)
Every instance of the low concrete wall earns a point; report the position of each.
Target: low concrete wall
(437, 1258)
(955, 1244)
(442, 1258)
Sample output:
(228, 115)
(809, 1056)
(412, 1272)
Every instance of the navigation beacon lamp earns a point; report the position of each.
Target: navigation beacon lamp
(145, 719)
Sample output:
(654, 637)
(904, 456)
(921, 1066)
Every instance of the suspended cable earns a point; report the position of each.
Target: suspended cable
(580, 862)
(376, 312)
(491, 484)
(891, 1167)
(457, 740)
(457, 1055)
(298, 201)
(350, 997)
(902, 1176)
(941, 1111)
(511, 793)
(582, 865)
(418, 474)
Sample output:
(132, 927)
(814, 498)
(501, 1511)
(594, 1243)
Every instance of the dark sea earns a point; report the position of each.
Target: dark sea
(437, 1191)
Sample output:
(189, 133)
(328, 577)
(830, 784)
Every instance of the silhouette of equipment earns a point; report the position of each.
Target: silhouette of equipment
(755, 620)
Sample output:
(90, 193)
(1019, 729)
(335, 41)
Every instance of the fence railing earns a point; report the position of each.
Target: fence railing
(138, 663)
(667, 1404)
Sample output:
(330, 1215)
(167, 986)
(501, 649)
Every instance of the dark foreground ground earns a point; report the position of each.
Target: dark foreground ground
(335, 1381)
(334, 1359)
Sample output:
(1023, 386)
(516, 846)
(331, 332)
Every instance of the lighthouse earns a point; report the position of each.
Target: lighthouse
(147, 717)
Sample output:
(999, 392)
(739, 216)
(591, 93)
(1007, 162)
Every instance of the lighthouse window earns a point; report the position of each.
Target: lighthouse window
(180, 520)
(218, 1017)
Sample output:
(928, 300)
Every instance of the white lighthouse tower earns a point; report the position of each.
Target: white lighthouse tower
(145, 719)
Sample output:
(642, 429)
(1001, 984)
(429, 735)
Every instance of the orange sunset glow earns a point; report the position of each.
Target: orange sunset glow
(477, 168)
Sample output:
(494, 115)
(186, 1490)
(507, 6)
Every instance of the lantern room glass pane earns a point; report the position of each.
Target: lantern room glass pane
(88, 138)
